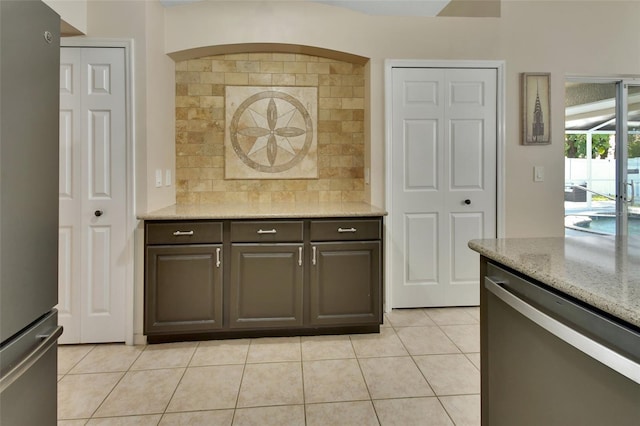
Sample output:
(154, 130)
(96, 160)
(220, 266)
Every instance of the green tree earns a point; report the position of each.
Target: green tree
(575, 145)
(634, 146)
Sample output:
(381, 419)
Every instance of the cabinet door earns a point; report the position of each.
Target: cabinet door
(345, 283)
(183, 288)
(266, 285)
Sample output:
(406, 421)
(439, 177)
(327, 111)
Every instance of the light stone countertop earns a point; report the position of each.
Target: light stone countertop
(602, 271)
(263, 211)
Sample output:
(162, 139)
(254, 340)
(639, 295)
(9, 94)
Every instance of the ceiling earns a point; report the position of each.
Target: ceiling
(424, 8)
(592, 107)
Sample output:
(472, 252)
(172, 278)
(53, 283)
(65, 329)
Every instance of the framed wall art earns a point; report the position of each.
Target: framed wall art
(271, 132)
(536, 108)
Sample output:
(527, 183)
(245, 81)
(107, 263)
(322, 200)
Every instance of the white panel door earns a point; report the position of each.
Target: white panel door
(443, 170)
(92, 243)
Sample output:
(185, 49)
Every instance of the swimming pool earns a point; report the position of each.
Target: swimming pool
(605, 224)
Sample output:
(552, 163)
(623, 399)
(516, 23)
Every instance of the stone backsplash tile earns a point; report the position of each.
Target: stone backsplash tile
(200, 126)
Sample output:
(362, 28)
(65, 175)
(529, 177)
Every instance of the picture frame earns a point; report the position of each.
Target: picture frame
(536, 108)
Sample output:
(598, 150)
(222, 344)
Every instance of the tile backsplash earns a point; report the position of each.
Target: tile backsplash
(200, 127)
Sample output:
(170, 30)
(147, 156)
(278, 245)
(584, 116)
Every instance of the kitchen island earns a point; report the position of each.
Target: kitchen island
(250, 270)
(560, 330)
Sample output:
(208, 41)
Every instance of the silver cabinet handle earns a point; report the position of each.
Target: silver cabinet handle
(182, 233)
(595, 350)
(313, 255)
(266, 231)
(218, 250)
(299, 256)
(342, 230)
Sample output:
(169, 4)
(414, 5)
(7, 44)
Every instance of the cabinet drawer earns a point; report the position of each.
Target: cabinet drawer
(345, 230)
(266, 231)
(184, 232)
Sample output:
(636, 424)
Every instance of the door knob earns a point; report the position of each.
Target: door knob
(98, 213)
(467, 201)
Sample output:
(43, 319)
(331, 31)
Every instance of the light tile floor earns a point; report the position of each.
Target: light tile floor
(422, 369)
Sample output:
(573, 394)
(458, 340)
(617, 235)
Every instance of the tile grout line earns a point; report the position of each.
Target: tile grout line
(124, 373)
(365, 381)
(179, 381)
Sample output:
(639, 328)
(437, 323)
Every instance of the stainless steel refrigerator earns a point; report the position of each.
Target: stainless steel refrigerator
(29, 123)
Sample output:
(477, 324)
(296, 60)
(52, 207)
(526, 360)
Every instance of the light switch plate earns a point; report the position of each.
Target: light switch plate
(538, 174)
(158, 178)
(167, 177)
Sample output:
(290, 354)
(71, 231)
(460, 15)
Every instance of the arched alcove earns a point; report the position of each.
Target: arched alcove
(203, 78)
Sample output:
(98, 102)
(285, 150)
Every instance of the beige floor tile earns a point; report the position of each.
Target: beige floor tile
(168, 355)
(274, 349)
(285, 415)
(409, 318)
(450, 374)
(221, 352)
(271, 384)
(80, 395)
(327, 347)
(466, 337)
(394, 377)
(385, 343)
(360, 413)
(475, 359)
(426, 340)
(108, 358)
(463, 409)
(70, 355)
(79, 422)
(474, 311)
(411, 412)
(333, 381)
(126, 421)
(141, 392)
(198, 418)
(207, 388)
(451, 316)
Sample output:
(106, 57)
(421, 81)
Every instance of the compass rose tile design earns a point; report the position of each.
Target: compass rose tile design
(271, 132)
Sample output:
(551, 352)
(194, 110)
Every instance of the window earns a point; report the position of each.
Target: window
(602, 156)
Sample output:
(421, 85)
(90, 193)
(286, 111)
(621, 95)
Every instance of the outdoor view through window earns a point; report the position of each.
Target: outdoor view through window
(602, 157)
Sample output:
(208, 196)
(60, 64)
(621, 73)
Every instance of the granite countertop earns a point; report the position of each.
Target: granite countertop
(263, 211)
(602, 271)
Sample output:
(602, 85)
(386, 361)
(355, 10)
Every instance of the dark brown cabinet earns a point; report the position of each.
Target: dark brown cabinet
(244, 278)
(266, 285)
(183, 283)
(266, 282)
(344, 283)
(345, 278)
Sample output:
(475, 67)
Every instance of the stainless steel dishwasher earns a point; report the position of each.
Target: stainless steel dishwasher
(553, 361)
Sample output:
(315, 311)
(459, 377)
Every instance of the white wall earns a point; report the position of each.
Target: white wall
(73, 12)
(574, 37)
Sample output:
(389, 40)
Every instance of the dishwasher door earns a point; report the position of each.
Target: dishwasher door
(542, 371)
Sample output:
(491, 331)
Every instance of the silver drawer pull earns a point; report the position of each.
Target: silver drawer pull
(299, 256)
(182, 233)
(218, 257)
(266, 231)
(343, 230)
(313, 255)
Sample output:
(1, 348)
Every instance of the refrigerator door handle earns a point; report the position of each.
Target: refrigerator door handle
(31, 359)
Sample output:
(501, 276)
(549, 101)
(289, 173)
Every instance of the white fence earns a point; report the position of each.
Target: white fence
(602, 177)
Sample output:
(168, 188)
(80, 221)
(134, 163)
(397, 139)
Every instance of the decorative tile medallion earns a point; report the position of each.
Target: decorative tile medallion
(271, 132)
